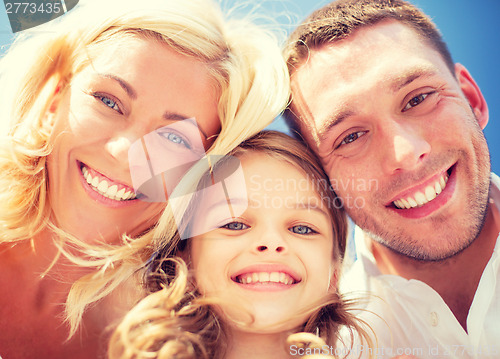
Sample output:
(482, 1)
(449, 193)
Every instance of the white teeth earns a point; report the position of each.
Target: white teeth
(419, 198)
(412, 202)
(112, 190)
(255, 277)
(274, 277)
(264, 277)
(437, 188)
(430, 193)
(104, 188)
(120, 193)
(405, 203)
(282, 277)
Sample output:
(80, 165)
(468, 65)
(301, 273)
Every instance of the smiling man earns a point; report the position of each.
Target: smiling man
(376, 94)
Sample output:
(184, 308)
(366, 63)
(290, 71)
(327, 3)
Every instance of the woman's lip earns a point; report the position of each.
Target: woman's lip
(109, 180)
(105, 201)
(269, 268)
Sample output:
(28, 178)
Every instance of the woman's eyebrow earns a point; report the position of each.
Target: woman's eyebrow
(171, 116)
(124, 85)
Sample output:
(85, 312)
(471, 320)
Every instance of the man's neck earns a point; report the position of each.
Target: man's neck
(455, 279)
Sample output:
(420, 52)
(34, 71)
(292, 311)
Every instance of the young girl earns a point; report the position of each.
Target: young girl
(257, 277)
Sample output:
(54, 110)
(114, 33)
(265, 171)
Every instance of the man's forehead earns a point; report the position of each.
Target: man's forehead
(324, 86)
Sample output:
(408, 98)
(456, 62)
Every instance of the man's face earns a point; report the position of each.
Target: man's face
(400, 137)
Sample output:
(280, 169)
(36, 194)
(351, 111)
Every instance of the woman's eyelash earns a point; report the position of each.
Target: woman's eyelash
(175, 138)
(108, 101)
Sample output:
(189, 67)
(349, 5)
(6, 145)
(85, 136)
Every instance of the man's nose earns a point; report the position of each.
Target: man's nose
(406, 148)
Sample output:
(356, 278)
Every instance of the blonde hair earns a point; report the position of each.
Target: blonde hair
(243, 59)
(176, 321)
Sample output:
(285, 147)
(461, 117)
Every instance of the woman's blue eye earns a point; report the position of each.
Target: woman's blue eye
(301, 229)
(109, 102)
(175, 138)
(235, 226)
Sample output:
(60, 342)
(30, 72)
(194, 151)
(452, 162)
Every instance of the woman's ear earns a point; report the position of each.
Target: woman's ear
(473, 94)
(56, 99)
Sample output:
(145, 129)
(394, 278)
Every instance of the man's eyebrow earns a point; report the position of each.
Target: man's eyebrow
(396, 83)
(332, 121)
(406, 78)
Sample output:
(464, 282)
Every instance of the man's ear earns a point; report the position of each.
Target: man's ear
(473, 94)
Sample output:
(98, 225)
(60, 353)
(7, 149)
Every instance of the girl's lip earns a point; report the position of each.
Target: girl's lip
(269, 268)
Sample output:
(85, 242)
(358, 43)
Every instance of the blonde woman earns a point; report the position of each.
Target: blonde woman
(258, 281)
(75, 94)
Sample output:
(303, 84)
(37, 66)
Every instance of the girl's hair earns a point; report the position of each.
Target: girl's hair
(177, 321)
(243, 59)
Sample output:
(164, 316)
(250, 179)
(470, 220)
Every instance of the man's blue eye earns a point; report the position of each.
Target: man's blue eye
(301, 229)
(235, 226)
(417, 100)
(352, 137)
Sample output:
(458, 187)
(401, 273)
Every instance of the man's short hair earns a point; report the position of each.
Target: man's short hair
(341, 18)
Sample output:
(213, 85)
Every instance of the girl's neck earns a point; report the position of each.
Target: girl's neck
(244, 345)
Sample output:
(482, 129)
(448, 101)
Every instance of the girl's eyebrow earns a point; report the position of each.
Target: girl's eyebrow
(309, 206)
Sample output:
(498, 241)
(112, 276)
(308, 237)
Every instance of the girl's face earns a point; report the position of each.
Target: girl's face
(134, 87)
(272, 260)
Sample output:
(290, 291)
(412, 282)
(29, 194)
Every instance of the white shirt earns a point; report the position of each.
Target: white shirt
(416, 320)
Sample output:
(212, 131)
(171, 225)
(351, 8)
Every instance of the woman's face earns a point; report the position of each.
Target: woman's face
(134, 87)
(275, 257)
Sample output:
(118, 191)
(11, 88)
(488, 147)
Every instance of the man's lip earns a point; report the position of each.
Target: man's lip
(430, 207)
(268, 267)
(419, 187)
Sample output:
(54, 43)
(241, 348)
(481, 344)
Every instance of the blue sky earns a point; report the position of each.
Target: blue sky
(470, 28)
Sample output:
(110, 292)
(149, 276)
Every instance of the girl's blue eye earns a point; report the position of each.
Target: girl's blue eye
(301, 229)
(236, 226)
